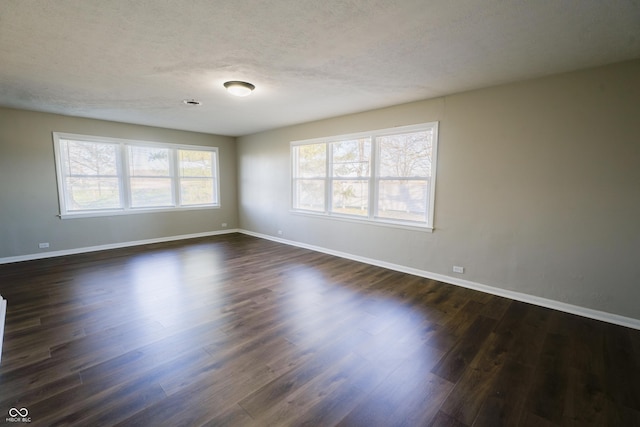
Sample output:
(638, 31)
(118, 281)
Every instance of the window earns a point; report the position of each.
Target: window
(150, 178)
(350, 176)
(106, 176)
(386, 176)
(310, 176)
(198, 171)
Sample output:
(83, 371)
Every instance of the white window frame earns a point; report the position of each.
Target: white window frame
(374, 178)
(123, 175)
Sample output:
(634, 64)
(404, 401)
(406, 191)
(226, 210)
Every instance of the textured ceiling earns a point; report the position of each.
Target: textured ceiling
(135, 61)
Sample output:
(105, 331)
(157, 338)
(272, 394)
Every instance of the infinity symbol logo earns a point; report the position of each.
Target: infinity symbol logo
(23, 412)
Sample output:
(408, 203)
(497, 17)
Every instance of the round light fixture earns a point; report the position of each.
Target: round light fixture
(239, 88)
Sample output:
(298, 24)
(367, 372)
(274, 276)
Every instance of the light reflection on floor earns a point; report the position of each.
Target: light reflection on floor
(322, 314)
(390, 334)
(157, 286)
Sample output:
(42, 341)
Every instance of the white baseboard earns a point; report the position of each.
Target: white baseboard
(518, 296)
(52, 254)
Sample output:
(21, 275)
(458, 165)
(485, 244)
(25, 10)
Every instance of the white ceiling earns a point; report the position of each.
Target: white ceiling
(135, 61)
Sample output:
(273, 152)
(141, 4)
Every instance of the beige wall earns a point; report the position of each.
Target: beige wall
(29, 198)
(538, 188)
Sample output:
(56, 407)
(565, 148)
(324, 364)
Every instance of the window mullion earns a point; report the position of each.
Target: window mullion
(176, 197)
(215, 171)
(329, 178)
(124, 176)
(293, 191)
(373, 183)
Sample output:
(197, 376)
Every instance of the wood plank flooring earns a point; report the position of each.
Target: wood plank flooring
(238, 331)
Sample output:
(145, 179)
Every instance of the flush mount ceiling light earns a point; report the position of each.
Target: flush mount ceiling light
(191, 102)
(239, 88)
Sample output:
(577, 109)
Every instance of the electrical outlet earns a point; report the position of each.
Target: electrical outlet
(224, 225)
(458, 269)
(43, 245)
(279, 232)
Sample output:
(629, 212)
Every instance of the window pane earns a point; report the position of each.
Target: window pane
(197, 177)
(309, 194)
(197, 191)
(350, 197)
(310, 160)
(92, 193)
(406, 155)
(90, 158)
(196, 163)
(150, 192)
(403, 199)
(149, 161)
(351, 158)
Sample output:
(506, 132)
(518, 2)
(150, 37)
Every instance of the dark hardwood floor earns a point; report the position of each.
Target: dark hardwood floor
(239, 331)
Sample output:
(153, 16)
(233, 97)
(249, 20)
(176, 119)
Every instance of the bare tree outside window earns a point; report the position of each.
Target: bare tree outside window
(404, 175)
(310, 171)
(92, 178)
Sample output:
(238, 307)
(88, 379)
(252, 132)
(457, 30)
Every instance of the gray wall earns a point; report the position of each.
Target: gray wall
(29, 198)
(538, 188)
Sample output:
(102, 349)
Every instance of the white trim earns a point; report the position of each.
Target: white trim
(378, 223)
(86, 249)
(434, 173)
(133, 211)
(518, 296)
(355, 135)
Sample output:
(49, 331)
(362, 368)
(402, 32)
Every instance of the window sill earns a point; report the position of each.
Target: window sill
(119, 212)
(364, 221)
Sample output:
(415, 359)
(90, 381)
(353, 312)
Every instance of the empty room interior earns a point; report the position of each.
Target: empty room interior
(340, 213)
